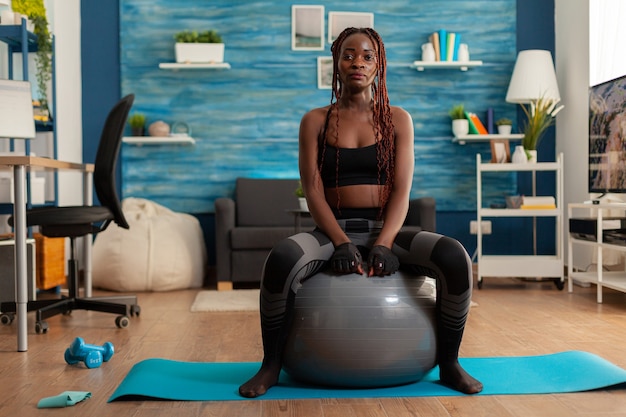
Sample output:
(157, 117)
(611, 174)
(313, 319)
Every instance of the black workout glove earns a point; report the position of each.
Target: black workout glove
(346, 258)
(382, 261)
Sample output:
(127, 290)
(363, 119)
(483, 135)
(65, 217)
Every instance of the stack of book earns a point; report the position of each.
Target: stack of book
(475, 125)
(538, 203)
(446, 45)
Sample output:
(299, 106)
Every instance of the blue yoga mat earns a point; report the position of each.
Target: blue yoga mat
(572, 371)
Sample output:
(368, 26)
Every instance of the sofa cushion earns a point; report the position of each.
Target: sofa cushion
(265, 202)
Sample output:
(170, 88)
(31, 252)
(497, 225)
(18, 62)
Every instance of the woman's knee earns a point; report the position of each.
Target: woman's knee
(451, 258)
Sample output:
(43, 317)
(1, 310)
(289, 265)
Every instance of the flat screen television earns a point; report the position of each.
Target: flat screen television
(607, 137)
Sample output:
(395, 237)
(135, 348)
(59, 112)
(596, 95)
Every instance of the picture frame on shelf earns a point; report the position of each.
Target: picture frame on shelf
(307, 28)
(324, 72)
(338, 21)
(500, 151)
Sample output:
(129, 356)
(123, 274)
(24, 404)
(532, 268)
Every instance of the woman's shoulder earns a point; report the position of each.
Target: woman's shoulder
(317, 115)
(397, 111)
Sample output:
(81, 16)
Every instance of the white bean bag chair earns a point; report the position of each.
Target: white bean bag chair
(162, 251)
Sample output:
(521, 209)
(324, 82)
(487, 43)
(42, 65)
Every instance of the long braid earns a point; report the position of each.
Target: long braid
(383, 123)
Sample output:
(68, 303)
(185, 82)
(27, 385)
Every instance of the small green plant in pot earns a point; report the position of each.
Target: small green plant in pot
(299, 192)
(460, 124)
(193, 46)
(137, 123)
(504, 126)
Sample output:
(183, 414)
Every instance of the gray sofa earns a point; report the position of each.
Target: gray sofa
(250, 224)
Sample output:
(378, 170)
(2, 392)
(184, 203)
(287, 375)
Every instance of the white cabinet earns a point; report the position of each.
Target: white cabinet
(531, 266)
(611, 279)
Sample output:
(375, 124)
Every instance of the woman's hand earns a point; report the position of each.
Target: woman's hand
(382, 261)
(347, 259)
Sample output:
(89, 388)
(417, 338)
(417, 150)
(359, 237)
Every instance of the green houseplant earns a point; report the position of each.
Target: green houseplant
(36, 12)
(137, 123)
(504, 126)
(460, 124)
(299, 192)
(193, 46)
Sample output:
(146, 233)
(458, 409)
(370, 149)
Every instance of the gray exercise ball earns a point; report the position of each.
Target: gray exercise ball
(358, 331)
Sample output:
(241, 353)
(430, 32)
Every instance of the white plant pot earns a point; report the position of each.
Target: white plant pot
(519, 156)
(504, 129)
(199, 52)
(460, 127)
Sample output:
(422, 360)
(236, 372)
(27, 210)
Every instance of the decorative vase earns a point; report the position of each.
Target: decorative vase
(303, 204)
(519, 156)
(504, 129)
(460, 127)
(532, 155)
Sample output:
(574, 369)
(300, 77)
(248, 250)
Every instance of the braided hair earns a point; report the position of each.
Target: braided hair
(383, 123)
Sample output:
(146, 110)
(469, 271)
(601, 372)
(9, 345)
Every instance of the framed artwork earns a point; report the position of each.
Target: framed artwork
(338, 21)
(307, 28)
(324, 72)
(500, 151)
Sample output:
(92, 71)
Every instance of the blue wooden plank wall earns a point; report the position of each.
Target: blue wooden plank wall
(245, 120)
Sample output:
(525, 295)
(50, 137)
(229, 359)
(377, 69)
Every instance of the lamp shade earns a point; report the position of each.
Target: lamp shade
(533, 78)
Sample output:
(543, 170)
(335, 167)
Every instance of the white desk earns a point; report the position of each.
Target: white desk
(20, 164)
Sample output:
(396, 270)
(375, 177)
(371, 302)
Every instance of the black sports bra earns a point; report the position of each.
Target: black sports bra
(356, 166)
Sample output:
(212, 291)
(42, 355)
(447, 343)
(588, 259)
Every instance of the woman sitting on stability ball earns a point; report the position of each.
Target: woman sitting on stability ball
(356, 166)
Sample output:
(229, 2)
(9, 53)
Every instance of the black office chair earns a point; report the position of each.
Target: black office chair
(77, 221)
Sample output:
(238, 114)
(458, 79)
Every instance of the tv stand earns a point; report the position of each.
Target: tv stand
(604, 239)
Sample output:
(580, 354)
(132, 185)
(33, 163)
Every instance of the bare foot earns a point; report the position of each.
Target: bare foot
(456, 378)
(258, 385)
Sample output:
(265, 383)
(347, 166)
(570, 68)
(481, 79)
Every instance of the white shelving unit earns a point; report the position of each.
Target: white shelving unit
(520, 265)
(463, 139)
(179, 66)
(463, 66)
(611, 279)
(159, 140)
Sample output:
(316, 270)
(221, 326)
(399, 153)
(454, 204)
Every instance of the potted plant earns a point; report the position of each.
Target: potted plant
(460, 124)
(199, 47)
(36, 12)
(504, 126)
(137, 123)
(299, 192)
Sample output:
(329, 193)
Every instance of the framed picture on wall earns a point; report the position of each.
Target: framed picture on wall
(338, 21)
(500, 151)
(307, 28)
(324, 72)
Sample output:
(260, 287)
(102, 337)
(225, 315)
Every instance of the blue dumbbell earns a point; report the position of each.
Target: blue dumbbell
(80, 351)
(92, 358)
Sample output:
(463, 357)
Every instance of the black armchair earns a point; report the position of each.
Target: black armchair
(77, 221)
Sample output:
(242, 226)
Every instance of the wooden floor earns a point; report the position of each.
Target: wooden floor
(513, 317)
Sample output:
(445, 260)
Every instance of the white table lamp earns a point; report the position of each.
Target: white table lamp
(533, 78)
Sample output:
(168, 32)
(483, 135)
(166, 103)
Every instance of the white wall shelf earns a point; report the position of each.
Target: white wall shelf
(463, 139)
(159, 140)
(178, 66)
(463, 66)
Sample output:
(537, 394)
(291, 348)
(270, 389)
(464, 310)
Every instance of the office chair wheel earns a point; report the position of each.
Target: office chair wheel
(41, 327)
(7, 318)
(135, 310)
(122, 322)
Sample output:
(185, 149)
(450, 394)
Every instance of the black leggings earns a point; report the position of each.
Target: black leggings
(299, 257)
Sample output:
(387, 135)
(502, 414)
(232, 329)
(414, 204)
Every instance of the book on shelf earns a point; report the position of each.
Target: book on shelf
(538, 203)
(450, 46)
(480, 127)
(472, 127)
(443, 42)
(434, 39)
(476, 127)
